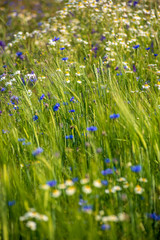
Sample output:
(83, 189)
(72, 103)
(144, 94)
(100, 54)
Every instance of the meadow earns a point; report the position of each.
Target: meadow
(79, 120)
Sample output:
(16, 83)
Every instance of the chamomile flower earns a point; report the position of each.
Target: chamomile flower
(32, 225)
(56, 193)
(86, 189)
(70, 191)
(143, 180)
(97, 183)
(138, 189)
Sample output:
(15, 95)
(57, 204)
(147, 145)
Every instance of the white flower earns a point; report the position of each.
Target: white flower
(44, 187)
(32, 225)
(56, 193)
(70, 191)
(69, 182)
(138, 189)
(143, 180)
(86, 189)
(84, 181)
(97, 183)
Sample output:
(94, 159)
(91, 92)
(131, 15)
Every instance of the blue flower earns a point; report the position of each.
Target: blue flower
(55, 39)
(37, 151)
(35, 118)
(65, 58)
(11, 203)
(87, 208)
(92, 129)
(51, 183)
(105, 227)
(43, 96)
(147, 48)
(104, 182)
(70, 111)
(154, 216)
(69, 137)
(155, 54)
(21, 139)
(56, 107)
(19, 54)
(114, 116)
(136, 168)
(107, 171)
(75, 179)
(136, 46)
(107, 160)
(72, 99)
(62, 48)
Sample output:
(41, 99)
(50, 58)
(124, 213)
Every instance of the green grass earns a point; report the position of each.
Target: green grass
(97, 41)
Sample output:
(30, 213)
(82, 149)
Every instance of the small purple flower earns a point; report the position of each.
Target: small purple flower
(134, 68)
(51, 183)
(136, 46)
(56, 107)
(136, 168)
(2, 44)
(114, 116)
(37, 151)
(92, 129)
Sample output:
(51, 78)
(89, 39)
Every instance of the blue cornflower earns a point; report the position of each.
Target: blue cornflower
(136, 168)
(65, 103)
(56, 107)
(11, 203)
(37, 151)
(107, 171)
(43, 96)
(72, 99)
(55, 39)
(3, 89)
(154, 216)
(21, 139)
(105, 227)
(65, 58)
(104, 182)
(51, 183)
(62, 48)
(114, 116)
(35, 118)
(69, 137)
(155, 54)
(75, 179)
(19, 54)
(107, 160)
(72, 110)
(92, 129)
(134, 68)
(136, 46)
(147, 48)
(87, 208)
(82, 202)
